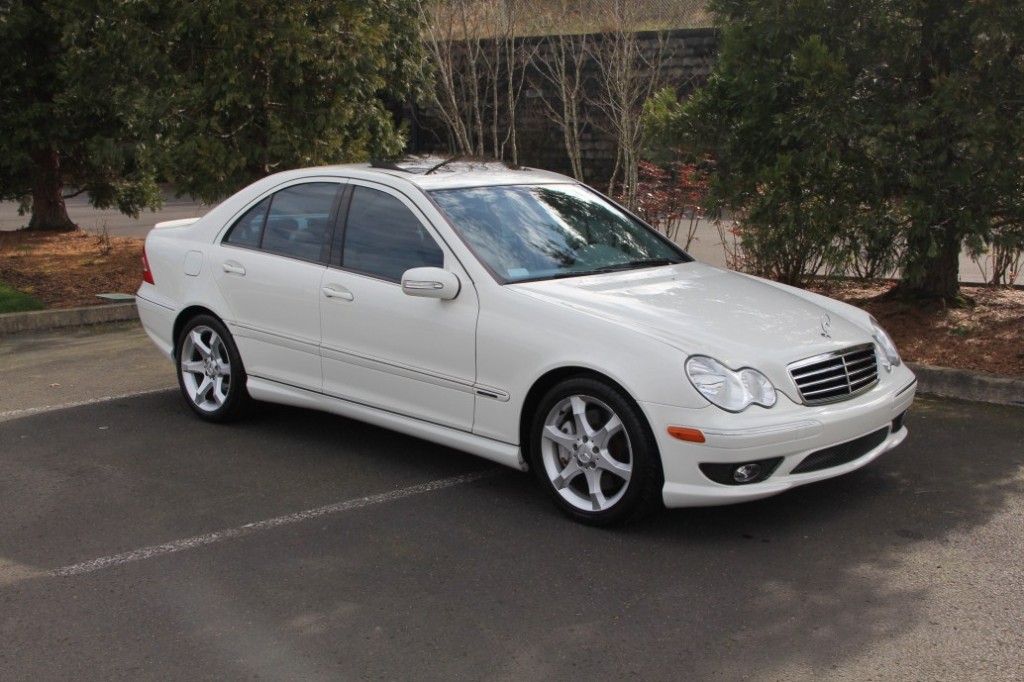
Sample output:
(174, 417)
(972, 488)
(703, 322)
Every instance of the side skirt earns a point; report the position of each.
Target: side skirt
(495, 451)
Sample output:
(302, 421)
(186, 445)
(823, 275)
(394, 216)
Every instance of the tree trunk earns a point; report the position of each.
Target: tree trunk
(935, 276)
(48, 209)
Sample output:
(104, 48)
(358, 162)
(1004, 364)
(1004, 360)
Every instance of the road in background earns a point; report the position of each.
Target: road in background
(112, 220)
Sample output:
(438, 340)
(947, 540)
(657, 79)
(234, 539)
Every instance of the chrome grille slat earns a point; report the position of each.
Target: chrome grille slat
(815, 372)
(840, 380)
(836, 376)
(810, 394)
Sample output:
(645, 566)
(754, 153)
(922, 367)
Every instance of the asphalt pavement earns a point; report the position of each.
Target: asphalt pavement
(59, 368)
(139, 543)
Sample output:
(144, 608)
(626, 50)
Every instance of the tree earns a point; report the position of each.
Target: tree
(73, 114)
(628, 75)
(560, 62)
(478, 66)
(265, 85)
(954, 92)
(839, 125)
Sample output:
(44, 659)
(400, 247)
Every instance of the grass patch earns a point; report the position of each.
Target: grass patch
(13, 301)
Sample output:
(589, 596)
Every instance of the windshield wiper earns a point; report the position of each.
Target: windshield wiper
(629, 265)
(637, 264)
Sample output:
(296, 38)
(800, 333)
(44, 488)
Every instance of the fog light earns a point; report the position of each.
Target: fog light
(746, 472)
(740, 474)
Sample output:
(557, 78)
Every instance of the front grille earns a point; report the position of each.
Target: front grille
(835, 376)
(842, 453)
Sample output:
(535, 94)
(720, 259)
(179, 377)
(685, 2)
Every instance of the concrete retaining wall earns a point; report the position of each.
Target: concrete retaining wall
(40, 320)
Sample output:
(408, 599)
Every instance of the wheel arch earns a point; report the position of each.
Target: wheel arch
(184, 317)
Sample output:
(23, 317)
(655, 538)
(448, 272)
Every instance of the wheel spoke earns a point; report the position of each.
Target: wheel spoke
(560, 438)
(193, 366)
(219, 351)
(571, 471)
(608, 463)
(205, 351)
(219, 391)
(612, 427)
(597, 498)
(203, 390)
(579, 415)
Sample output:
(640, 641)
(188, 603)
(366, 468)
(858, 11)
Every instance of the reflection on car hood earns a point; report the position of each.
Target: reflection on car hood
(740, 320)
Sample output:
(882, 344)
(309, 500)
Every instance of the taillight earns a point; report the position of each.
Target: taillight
(147, 274)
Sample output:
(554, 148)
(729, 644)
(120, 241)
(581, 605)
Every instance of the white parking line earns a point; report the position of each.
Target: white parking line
(14, 414)
(250, 528)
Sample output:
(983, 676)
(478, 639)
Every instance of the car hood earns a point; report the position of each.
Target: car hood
(740, 320)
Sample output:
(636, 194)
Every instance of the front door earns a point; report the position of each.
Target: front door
(385, 349)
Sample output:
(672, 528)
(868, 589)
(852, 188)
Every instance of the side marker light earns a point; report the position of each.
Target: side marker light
(689, 435)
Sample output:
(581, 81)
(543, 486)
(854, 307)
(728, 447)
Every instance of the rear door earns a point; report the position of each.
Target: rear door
(269, 267)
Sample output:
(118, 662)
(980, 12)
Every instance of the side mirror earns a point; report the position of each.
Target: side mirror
(431, 283)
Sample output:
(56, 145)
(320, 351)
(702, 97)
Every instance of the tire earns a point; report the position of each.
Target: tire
(594, 453)
(210, 371)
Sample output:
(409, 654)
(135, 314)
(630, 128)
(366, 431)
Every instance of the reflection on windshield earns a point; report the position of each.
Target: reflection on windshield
(529, 232)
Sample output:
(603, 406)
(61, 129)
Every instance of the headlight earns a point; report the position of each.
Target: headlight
(884, 341)
(730, 390)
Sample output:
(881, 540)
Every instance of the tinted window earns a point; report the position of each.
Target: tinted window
(294, 222)
(249, 228)
(298, 222)
(384, 238)
(542, 231)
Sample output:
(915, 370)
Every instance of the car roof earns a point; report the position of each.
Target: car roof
(429, 173)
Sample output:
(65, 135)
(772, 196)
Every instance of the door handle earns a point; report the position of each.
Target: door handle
(233, 267)
(338, 292)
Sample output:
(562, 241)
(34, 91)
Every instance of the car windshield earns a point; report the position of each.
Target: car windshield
(533, 232)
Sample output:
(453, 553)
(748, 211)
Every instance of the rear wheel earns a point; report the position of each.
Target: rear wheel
(210, 371)
(594, 453)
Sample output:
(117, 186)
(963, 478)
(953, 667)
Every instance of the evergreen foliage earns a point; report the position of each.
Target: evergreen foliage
(864, 135)
(107, 96)
(70, 116)
(265, 85)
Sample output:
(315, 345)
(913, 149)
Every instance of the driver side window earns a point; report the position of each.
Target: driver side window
(383, 238)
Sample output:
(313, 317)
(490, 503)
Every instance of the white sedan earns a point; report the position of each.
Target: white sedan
(520, 316)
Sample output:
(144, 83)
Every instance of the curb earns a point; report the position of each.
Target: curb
(41, 320)
(981, 387)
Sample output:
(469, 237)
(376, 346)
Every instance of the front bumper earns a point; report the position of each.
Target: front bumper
(789, 431)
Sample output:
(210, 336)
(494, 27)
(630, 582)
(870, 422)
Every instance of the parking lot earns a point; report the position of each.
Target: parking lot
(138, 543)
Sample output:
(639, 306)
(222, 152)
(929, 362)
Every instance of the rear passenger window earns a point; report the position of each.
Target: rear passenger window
(249, 228)
(384, 238)
(294, 222)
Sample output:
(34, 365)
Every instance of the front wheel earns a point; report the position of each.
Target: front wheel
(594, 453)
(210, 371)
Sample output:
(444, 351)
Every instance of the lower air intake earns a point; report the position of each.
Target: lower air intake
(842, 453)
